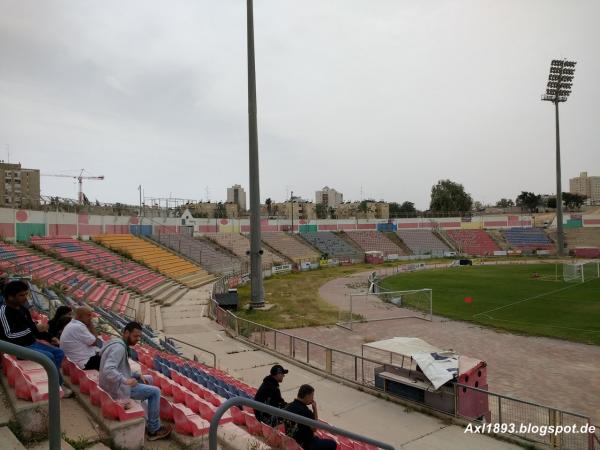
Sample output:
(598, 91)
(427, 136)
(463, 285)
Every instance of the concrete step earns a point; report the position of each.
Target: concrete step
(43, 445)
(9, 440)
(175, 298)
(5, 412)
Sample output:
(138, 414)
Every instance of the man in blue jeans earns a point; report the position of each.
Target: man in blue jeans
(117, 379)
(17, 326)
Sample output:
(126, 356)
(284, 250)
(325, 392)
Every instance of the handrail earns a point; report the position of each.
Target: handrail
(196, 347)
(241, 401)
(54, 434)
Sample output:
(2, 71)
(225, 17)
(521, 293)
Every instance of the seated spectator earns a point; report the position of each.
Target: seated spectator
(302, 434)
(78, 340)
(17, 326)
(122, 385)
(269, 394)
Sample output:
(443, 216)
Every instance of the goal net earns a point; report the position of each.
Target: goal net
(581, 271)
(385, 305)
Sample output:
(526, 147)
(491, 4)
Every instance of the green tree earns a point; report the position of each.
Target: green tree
(528, 201)
(505, 203)
(573, 201)
(448, 196)
(220, 211)
(268, 203)
(363, 207)
(551, 202)
(321, 210)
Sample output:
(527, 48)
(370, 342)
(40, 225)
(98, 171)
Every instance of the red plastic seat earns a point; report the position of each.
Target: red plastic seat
(253, 425)
(89, 378)
(95, 395)
(114, 410)
(238, 416)
(166, 409)
(179, 393)
(188, 423)
(271, 435)
(288, 443)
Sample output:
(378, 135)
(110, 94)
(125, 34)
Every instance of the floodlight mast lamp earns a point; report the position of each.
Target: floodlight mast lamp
(257, 299)
(558, 89)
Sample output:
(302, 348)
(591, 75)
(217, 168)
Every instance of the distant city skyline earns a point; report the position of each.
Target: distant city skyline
(382, 97)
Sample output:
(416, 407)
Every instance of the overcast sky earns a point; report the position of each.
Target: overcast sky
(388, 95)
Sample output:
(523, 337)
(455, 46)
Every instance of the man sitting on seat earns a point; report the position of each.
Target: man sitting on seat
(78, 340)
(269, 394)
(303, 435)
(122, 385)
(17, 326)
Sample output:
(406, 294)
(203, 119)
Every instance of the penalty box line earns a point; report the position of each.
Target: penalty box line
(526, 300)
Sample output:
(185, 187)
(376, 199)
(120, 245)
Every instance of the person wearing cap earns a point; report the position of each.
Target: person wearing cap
(269, 394)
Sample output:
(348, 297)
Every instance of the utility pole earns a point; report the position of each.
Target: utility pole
(292, 202)
(257, 298)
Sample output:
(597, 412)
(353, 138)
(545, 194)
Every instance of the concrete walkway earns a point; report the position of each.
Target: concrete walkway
(338, 404)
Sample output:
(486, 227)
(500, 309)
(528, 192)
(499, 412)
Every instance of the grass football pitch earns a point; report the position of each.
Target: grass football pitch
(518, 298)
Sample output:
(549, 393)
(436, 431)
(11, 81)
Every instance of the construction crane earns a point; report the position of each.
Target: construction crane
(79, 179)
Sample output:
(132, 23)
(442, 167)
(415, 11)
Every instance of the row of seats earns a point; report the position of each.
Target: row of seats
(201, 251)
(158, 258)
(108, 264)
(28, 378)
(192, 392)
(473, 242)
(240, 245)
(78, 284)
(290, 247)
(528, 239)
(375, 241)
(423, 242)
(332, 245)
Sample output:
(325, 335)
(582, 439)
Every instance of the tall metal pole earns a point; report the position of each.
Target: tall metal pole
(257, 298)
(559, 216)
(292, 202)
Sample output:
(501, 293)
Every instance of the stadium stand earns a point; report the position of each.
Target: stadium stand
(423, 242)
(528, 239)
(375, 241)
(333, 246)
(582, 237)
(473, 242)
(109, 265)
(290, 247)
(77, 284)
(201, 251)
(163, 260)
(239, 245)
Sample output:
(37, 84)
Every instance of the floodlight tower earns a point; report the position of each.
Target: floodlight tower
(257, 297)
(558, 90)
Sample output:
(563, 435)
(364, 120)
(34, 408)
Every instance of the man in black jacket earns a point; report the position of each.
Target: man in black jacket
(269, 394)
(17, 326)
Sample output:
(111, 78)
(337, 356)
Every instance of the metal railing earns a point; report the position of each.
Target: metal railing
(214, 356)
(362, 371)
(241, 401)
(54, 433)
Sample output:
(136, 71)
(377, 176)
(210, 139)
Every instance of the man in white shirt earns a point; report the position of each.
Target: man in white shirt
(78, 340)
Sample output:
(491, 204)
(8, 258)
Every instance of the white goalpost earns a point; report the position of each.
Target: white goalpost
(386, 305)
(581, 271)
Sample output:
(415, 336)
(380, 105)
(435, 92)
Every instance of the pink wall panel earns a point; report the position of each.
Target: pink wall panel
(165, 229)
(90, 230)
(367, 226)
(495, 223)
(327, 227)
(591, 221)
(347, 226)
(116, 229)
(7, 230)
(62, 230)
(207, 228)
(266, 227)
(450, 224)
(245, 228)
(408, 225)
